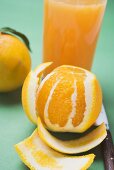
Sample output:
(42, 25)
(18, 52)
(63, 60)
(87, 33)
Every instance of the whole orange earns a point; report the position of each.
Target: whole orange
(15, 62)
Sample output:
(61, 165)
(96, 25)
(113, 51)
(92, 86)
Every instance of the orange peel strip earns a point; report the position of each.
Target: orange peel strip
(38, 156)
(75, 146)
(29, 91)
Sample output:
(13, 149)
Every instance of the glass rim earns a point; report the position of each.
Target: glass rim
(81, 3)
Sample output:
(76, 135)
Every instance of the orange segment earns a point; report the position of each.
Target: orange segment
(56, 111)
(43, 92)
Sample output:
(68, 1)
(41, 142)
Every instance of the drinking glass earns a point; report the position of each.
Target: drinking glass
(71, 30)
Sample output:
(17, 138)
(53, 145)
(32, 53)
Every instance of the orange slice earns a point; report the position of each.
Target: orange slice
(75, 146)
(38, 156)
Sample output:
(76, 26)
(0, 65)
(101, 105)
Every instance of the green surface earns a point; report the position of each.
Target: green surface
(26, 16)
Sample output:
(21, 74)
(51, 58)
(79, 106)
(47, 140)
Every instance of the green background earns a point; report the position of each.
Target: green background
(26, 16)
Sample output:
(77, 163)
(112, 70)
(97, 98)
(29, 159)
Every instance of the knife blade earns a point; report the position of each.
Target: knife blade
(107, 145)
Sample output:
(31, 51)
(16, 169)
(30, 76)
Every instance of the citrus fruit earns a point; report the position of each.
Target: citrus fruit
(29, 90)
(15, 62)
(38, 156)
(75, 146)
(69, 99)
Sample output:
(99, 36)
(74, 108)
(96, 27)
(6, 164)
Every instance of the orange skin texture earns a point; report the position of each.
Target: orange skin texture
(15, 62)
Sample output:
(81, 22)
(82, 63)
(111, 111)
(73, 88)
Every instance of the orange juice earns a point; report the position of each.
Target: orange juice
(71, 29)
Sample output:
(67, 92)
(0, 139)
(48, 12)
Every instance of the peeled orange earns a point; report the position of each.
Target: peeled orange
(69, 99)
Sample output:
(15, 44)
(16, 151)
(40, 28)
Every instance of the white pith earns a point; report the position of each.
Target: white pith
(32, 89)
(44, 80)
(41, 68)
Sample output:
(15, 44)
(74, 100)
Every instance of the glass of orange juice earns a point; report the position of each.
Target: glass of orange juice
(71, 29)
